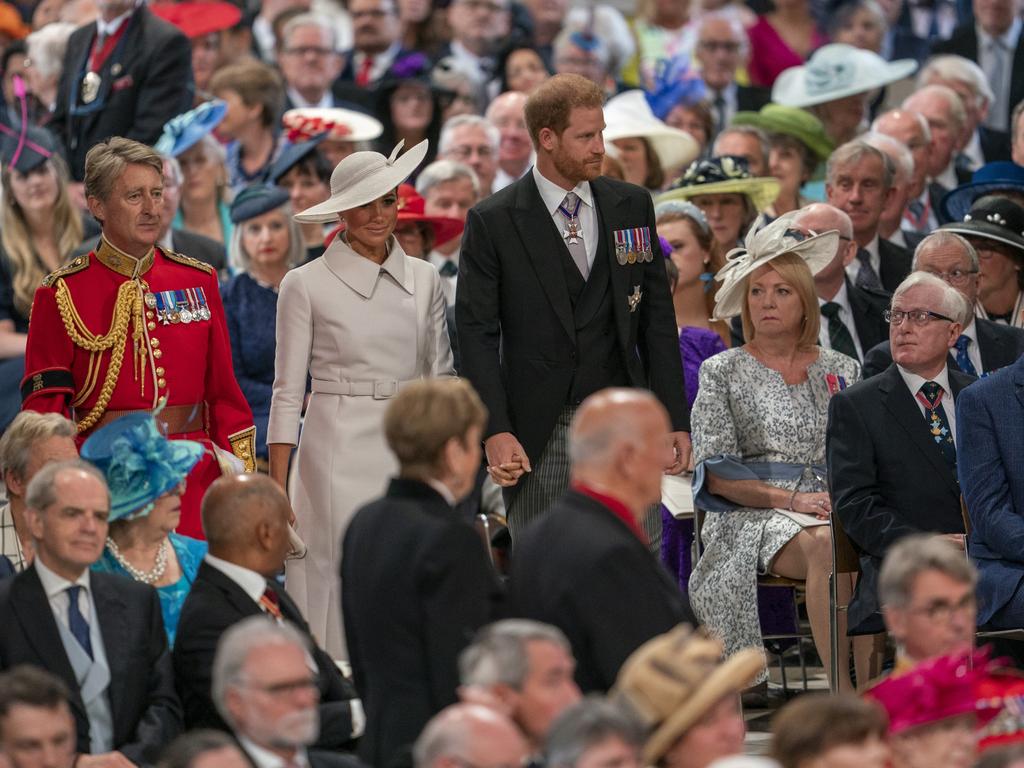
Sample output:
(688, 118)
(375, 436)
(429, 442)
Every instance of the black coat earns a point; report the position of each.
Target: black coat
(416, 585)
(527, 347)
(887, 478)
(145, 710)
(895, 264)
(215, 604)
(999, 345)
(144, 83)
(582, 569)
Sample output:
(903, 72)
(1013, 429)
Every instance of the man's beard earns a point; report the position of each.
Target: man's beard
(574, 170)
(296, 729)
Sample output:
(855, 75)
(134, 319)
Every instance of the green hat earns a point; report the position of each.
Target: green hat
(791, 121)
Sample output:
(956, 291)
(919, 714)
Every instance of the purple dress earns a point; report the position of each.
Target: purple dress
(695, 346)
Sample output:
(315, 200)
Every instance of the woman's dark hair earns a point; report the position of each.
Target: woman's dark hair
(808, 159)
(316, 166)
(811, 725)
(415, 70)
(504, 56)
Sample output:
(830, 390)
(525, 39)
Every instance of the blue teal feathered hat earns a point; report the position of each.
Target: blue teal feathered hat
(187, 129)
(140, 464)
(674, 83)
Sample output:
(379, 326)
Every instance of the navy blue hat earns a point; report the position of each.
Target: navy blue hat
(256, 200)
(184, 131)
(993, 177)
(26, 151)
(291, 155)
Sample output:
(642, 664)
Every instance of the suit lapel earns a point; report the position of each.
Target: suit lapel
(542, 245)
(233, 593)
(991, 347)
(613, 212)
(901, 404)
(113, 617)
(860, 308)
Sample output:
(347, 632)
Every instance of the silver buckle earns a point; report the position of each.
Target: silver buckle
(385, 390)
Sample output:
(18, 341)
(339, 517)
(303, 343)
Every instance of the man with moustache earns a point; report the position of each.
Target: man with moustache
(562, 292)
(134, 326)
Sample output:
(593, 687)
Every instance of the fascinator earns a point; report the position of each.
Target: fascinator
(185, 130)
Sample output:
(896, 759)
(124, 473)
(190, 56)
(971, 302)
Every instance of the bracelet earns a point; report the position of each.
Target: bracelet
(792, 496)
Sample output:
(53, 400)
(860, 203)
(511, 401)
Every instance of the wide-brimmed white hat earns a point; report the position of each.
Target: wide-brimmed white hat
(836, 71)
(336, 122)
(629, 116)
(362, 177)
(779, 237)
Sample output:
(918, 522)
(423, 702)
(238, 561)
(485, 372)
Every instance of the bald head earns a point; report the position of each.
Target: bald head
(822, 217)
(911, 129)
(245, 518)
(469, 734)
(946, 117)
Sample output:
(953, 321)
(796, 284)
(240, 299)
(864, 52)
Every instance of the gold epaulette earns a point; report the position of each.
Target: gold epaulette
(188, 261)
(75, 265)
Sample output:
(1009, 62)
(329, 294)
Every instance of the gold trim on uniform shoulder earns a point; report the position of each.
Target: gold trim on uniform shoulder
(188, 261)
(73, 266)
(243, 445)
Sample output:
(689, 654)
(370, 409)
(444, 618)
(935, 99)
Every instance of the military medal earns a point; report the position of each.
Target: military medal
(91, 87)
(621, 248)
(150, 300)
(573, 226)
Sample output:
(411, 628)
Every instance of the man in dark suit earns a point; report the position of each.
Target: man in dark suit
(310, 61)
(6, 567)
(126, 74)
(858, 181)
(103, 630)
(722, 49)
(585, 566)
(37, 729)
(890, 440)
(984, 346)
(562, 293)
(376, 42)
(245, 519)
(265, 687)
(415, 548)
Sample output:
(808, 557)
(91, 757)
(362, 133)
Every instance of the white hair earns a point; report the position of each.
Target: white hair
(957, 111)
(951, 67)
(440, 171)
(942, 238)
(952, 302)
(444, 143)
(901, 156)
(735, 22)
(310, 20)
(46, 47)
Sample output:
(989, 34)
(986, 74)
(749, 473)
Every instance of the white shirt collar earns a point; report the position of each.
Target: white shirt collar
(553, 195)
(252, 583)
(264, 758)
(872, 248)
(898, 238)
(53, 584)
(326, 101)
(108, 28)
(1008, 38)
(971, 331)
(443, 490)
(914, 382)
(842, 298)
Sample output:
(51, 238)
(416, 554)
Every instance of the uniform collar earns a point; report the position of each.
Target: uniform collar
(361, 274)
(114, 258)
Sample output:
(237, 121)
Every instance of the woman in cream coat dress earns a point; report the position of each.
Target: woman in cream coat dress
(361, 321)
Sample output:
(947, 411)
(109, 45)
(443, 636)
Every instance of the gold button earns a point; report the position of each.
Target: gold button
(155, 342)
(159, 371)
(157, 353)
(149, 315)
(151, 326)
(161, 383)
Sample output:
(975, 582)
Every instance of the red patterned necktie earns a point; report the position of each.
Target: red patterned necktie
(270, 604)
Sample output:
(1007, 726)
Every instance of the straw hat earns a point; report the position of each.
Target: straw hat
(769, 243)
(791, 121)
(674, 679)
(722, 176)
(836, 71)
(362, 177)
(629, 116)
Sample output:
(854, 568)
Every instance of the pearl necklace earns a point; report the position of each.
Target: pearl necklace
(146, 577)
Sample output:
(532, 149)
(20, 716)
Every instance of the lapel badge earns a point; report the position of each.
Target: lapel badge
(116, 69)
(634, 298)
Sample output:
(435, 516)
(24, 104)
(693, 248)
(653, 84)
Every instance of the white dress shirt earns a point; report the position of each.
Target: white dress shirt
(56, 589)
(898, 238)
(842, 298)
(999, 110)
(914, 382)
(299, 102)
(250, 582)
(264, 758)
(553, 195)
(107, 28)
(921, 20)
(448, 282)
(443, 490)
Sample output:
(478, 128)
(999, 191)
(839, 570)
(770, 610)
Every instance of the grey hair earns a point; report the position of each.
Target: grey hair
(444, 143)
(441, 171)
(213, 148)
(27, 429)
(948, 66)
(310, 20)
(746, 130)
(239, 260)
(498, 652)
(953, 303)
(853, 152)
(901, 157)
(46, 47)
(172, 164)
(585, 725)
(234, 648)
(915, 554)
(957, 112)
(42, 490)
(735, 24)
(942, 238)
(922, 121)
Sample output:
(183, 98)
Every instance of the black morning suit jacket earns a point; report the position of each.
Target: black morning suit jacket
(999, 345)
(145, 710)
(582, 569)
(533, 337)
(964, 42)
(887, 478)
(416, 585)
(895, 263)
(215, 604)
(144, 85)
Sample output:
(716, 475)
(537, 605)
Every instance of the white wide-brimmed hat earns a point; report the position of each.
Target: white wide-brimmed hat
(338, 123)
(629, 116)
(779, 237)
(362, 177)
(836, 71)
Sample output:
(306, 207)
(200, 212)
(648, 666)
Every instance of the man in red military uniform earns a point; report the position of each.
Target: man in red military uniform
(134, 327)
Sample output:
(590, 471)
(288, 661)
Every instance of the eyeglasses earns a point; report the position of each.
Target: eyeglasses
(955, 276)
(942, 610)
(309, 50)
(287, 686)
(724, 46)
(465, 152)
(799, 234)
(916, 316)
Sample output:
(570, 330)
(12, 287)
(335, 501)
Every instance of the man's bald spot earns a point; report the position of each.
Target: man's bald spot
(822, 217)
(508, 98)
(234, 505)
(610, 418)
(453, 730)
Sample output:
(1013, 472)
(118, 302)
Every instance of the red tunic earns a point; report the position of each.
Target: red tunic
(184, 363)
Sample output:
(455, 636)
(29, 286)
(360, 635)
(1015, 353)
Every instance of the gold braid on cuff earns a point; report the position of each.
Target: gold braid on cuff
(243, 445)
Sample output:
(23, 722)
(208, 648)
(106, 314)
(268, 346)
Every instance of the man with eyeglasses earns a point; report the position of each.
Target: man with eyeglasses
(266, 689)
(376, 38)
(983, 346)
(927, 590)
(889, 444)
(473, 140)
(309, 62)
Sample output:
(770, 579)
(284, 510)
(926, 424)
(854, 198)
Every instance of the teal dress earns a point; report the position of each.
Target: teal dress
(190, 554)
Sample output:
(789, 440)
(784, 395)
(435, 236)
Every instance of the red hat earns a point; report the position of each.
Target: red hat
(197, 19)
(411, 208)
